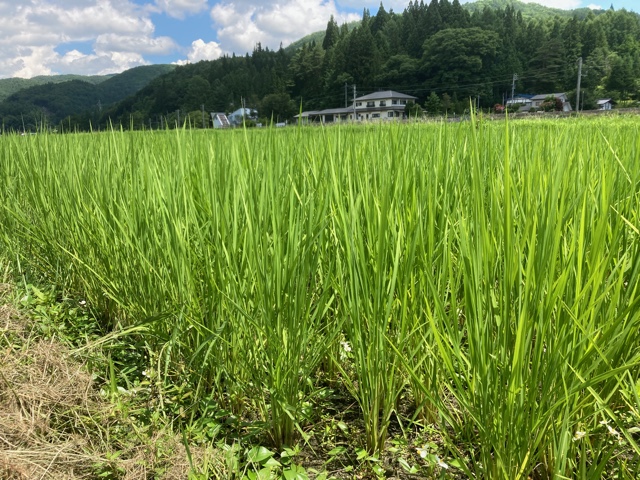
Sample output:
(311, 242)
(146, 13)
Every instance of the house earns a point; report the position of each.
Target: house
(387, 104)
(237, 118)
(538, 100)
(374, 106)
(330, 115)
(605, 104)
(220, 120)
(309, 116)
(522, 99)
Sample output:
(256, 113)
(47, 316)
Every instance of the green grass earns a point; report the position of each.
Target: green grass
(485, 272)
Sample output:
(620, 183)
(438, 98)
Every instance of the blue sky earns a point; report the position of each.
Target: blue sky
(44, 37)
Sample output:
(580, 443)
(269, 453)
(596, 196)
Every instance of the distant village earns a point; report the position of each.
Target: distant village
(392, 105)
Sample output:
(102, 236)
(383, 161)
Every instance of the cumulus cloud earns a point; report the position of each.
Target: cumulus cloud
(100, 63)
(241, 24)
(46, 61)
(28, 62)
(33, 34)
(593, 6)
(397, 5)
(562, 4)
(88, 19)
(202, 51)
(135, 43)
(180, 8)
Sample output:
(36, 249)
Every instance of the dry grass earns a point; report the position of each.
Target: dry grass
(42, 396)
(54, 424)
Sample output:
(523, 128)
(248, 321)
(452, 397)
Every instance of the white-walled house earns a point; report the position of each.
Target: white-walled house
(382, 105)
(538, 100)
(605, 104)
(386, 105)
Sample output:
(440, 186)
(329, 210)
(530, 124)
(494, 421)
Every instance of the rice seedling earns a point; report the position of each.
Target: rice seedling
(487, 272)
(547, 328)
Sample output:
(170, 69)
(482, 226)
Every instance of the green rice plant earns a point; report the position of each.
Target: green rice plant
(287, 296)
(547, 326)
(487, 271)
(436, 178)
(372, 193)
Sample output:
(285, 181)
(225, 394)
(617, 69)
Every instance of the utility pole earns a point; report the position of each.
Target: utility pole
(578, 89)
(242, 105)
(345, 95)
(513, 86)
(355, 117)
(203, 125)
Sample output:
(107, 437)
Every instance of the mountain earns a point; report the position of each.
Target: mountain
(9, 86)
(57, 100)
(436, 50)
(317, 37)
(130, 81)
(529, 10)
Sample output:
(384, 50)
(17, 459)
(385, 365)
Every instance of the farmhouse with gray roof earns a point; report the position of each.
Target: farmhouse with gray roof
(538, 100)
(384, 105)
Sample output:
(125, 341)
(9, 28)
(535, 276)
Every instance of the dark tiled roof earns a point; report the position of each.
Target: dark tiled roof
(545, 95)
(335, 111)
(328, 111)
(384, 95)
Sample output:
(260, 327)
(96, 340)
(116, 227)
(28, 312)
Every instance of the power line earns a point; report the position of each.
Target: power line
(548, 73)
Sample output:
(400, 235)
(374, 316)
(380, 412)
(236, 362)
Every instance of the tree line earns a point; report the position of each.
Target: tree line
(438, 51)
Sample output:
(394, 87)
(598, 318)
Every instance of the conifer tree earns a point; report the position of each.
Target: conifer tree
(331, 35)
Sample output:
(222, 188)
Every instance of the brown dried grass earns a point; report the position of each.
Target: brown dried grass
(42, 395)
(54, 422)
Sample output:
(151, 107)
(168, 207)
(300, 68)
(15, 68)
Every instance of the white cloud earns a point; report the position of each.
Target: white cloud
(89, 18)
(180, 8)
(593, 6)
(562, 4)
(29, 62)
(135, 43)
(202, 51)
(397, 5)
(33, 34)
(242, 24)
(46, 61)
(100, 63)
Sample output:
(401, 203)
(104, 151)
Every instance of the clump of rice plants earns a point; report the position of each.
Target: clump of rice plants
(486, 274)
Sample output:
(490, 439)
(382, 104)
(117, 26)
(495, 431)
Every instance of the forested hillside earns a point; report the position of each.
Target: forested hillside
(440, 51)
(81, 97)
(529, 10)
(9, 86)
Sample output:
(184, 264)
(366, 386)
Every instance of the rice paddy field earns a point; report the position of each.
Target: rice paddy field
(468, 292)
